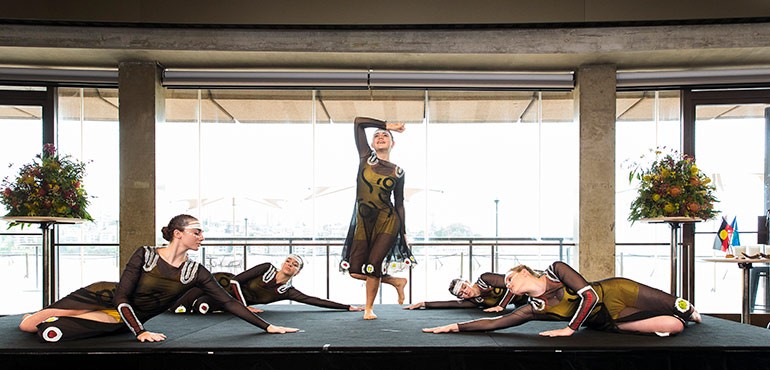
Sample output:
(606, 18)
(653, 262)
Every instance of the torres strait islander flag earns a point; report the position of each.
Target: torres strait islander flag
(736, 238)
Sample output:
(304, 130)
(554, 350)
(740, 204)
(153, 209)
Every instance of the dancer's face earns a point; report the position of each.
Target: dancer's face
(291, 266)
(513, 281)
(467, 291)
(192, 236)
(382, 140)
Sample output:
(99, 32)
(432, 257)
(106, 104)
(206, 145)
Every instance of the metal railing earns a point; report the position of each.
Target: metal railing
(439, 259)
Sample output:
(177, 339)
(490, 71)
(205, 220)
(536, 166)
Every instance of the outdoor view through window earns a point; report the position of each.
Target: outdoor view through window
(491, 182)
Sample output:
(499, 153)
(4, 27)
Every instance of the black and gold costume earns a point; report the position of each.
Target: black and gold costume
(256, 285)
(376, 237)
(147, 287)
(493, 294)
(600, 305)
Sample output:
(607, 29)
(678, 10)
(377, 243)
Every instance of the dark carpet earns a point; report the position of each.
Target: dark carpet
(343, 340)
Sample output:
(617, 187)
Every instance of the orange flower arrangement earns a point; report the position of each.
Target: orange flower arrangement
(49, 186)
(672, 186)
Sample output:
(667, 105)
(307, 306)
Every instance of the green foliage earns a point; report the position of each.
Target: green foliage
(671, 186)
(49, 186)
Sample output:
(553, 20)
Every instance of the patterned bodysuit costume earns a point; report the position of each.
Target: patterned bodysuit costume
(256, 285)
(147, 287)
(376, 237)
(599, 305)
(493, 294)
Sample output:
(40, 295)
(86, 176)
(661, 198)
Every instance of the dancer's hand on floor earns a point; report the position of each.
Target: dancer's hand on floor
(451, 328)
(149, 336)
(273, 329)
(565, 332)
(415, 306)
(493, 309)
(355, 308)
(255, 310)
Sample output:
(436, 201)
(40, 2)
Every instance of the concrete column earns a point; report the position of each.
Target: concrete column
(595, 97)
(141, 106)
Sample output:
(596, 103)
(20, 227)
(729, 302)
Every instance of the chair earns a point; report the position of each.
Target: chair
(760, 272)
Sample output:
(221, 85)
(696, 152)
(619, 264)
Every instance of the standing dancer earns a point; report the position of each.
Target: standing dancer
(377, 237)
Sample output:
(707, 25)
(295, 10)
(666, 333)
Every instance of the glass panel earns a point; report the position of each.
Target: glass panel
(20, 249)
(336, 159)
(730, 144)
(88, 131)
(503, 164)
(278, 167)
(336, 162)
(492, 155)
(244, 167)
(645, 120)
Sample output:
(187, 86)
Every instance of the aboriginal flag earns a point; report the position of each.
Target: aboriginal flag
(722, 240)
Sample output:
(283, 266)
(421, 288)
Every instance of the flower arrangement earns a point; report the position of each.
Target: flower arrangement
(49, 186)
(672, 186)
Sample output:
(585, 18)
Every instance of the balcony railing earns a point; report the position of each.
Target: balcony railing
(439, 261)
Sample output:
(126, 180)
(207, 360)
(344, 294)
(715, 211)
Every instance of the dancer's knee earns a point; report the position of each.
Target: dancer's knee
(673, 326)
(370, 269)
(363, 270)
(28, 325)
(56, 329)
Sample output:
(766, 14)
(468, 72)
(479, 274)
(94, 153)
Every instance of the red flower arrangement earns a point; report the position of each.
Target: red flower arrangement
(49, 186)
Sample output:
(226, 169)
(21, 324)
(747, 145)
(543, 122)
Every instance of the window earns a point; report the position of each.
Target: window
(88, 131)
(20, 252)
(275, 165)
(730, 148)
(645, 121)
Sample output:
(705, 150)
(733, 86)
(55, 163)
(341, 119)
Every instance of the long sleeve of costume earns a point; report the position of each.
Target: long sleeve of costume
(124, 290)
(398, 203)
(252, 273)
(359, 125)
(573, 280)
(207, 283)
(297, 296)
(456, 303)
(506, 299)
(364, 150)
(519, 316)
(150, 286)
(489, 281)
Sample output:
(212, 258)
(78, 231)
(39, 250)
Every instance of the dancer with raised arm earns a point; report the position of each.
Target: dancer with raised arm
(377, 236)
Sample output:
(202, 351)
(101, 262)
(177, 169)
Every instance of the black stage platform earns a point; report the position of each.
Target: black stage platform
(343, 340)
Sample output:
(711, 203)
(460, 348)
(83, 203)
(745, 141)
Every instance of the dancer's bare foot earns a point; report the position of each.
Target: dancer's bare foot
(399, 284)
(695, 316)
(369, 314)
